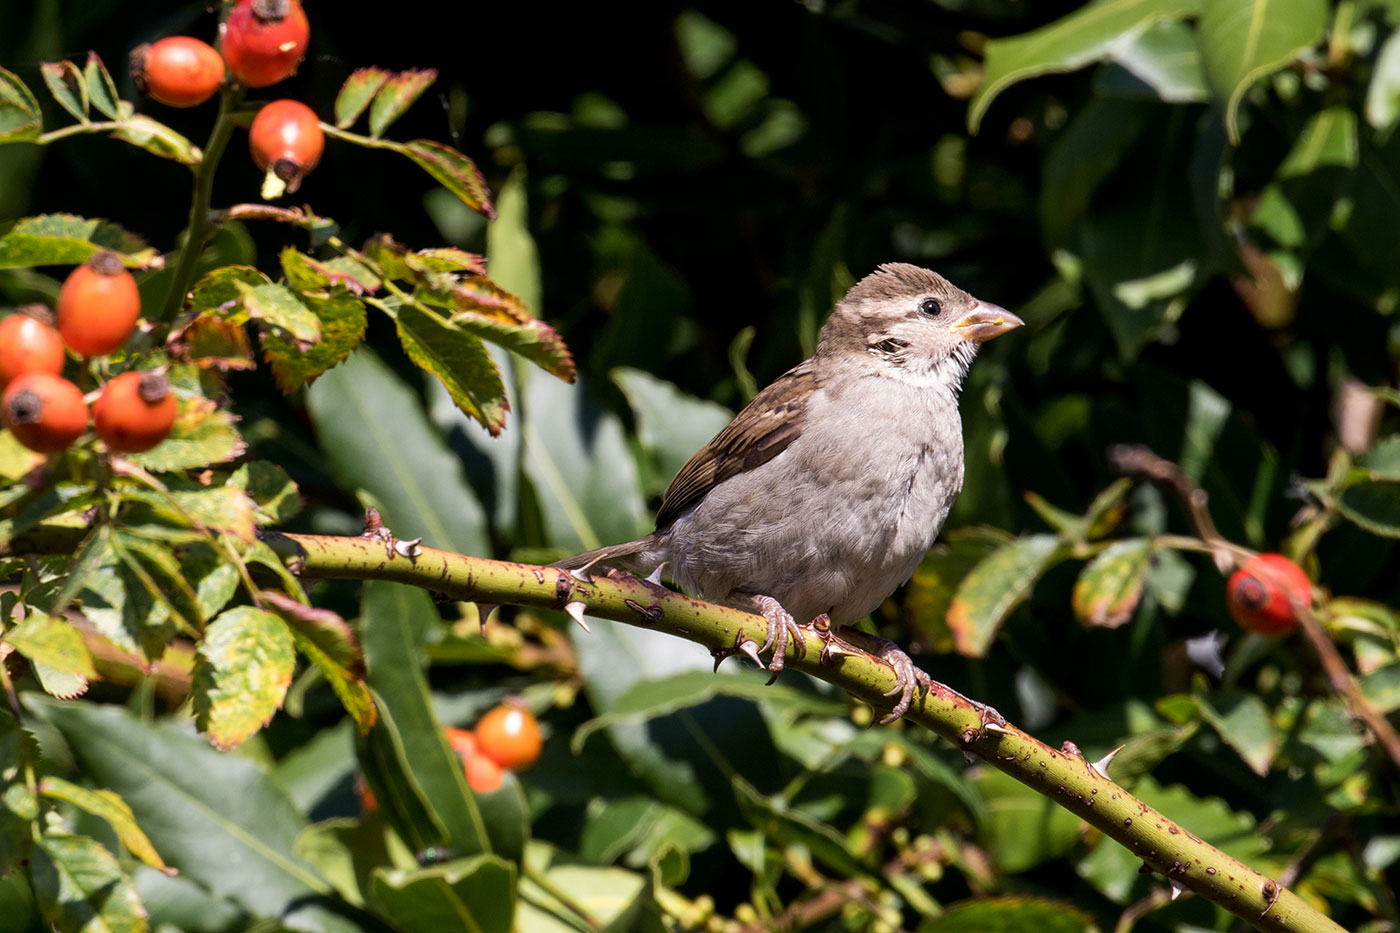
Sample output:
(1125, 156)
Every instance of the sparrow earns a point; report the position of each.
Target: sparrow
(825, 492)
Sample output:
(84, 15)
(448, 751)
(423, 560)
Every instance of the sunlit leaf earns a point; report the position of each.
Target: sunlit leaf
(20, 116)
(1110, 587)
(243, 667)
(79, 885)
(453, 171)
(476, 894)
(66, 84)
(342, 323)
(278, 307)
(1243, 40)
(158, 139)
(395, 96)
(203, 435)
(459, 361)
(269, 486)
(994, 587)
(223, 288)
(356, 93)
(101, 90)
(106, 805)
(66, 240)
(52, 641)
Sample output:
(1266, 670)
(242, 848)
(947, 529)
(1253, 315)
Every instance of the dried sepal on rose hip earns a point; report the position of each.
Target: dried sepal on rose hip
(286, 141)
(44, 412)
(179, 71)
(29, 343)
(98, 305)
(1261, 593)
(135, 411)
(265, 40)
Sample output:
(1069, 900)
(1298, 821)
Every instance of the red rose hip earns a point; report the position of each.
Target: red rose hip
(44, 412)
(286, 137)
(265, 40)
(1260, 594)
(178, 71)
(29, 344)
(134, 412)
(98, 305)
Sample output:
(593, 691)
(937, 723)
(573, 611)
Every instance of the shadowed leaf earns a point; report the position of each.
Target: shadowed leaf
(67, 86)
(994, 587)
(20, 116)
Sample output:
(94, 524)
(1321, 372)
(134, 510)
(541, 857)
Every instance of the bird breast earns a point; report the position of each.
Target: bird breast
(843, 516)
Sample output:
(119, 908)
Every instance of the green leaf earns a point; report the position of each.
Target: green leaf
(356, 93)
(483, 308)
(376, 438)
(1374, 505)
(1023, 828)
(276, 495)
(1009, 914)
(110, 807)
(454, 171)
(243, 667)
(203, 435)
(66, 240)
(791, 826)
(214, 578)
(223, 288)
(476, 894)
(217, 818)
(20, 116)
(52, 641)
(342, 322)
(615, 899)
(930, 591)
(101, 90)
(415, 774)
(328, 642)
(655, 697)
(158, 139)
(67, 86)
(1382, 94)
(576, 458)
(995, 587)
(79, 886)
(1161, 63)
(671, 425)
(1244, 40)
(1088, 35)
(218, 508)
(395, 96)
(1110, 587)
(1243, 721)
(458, 360)
(278, 307)
(1382, 461)
(1328, 140)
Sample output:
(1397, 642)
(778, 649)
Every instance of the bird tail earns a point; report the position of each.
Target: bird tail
(639, 557)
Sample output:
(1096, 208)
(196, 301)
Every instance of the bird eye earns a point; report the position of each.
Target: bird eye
(930, 306)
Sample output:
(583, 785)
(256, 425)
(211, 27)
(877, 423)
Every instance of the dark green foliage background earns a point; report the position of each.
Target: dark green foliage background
(674, 236)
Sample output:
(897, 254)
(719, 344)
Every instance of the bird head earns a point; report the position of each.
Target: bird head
(913, 324)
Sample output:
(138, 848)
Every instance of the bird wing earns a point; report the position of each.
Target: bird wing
(760, 432)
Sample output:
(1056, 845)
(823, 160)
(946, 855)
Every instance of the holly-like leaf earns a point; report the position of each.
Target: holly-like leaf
(277, 306)
(67, 240)
(78, 885)
(453, 171)
(996, 586)
(342, 322)
(395, 96)
(458, 360)
(52, 641)
(1110, 587)
(20, 116)
(67, 86)
(203, 435)
(108, 806)
(101, 89)
(1244, 40)
(485, 309)
(242, 670)
(356, 93)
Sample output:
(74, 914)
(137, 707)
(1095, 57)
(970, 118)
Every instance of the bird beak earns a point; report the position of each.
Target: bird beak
(984, 322)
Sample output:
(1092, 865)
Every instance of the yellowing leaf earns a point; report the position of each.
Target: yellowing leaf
(242, 670)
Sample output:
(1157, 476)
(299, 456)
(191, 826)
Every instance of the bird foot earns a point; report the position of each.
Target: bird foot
(831, 643)
(909, 679)
(782, 629)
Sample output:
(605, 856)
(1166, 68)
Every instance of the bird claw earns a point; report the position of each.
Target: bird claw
(781, 627)
(908, 679)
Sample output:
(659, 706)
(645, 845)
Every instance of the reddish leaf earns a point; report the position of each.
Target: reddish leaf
(396, 96)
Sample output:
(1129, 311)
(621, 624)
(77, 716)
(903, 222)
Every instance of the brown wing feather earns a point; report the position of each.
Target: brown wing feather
(760, 432)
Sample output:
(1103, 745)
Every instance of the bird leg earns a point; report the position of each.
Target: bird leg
(908, 679)
(781, 626)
